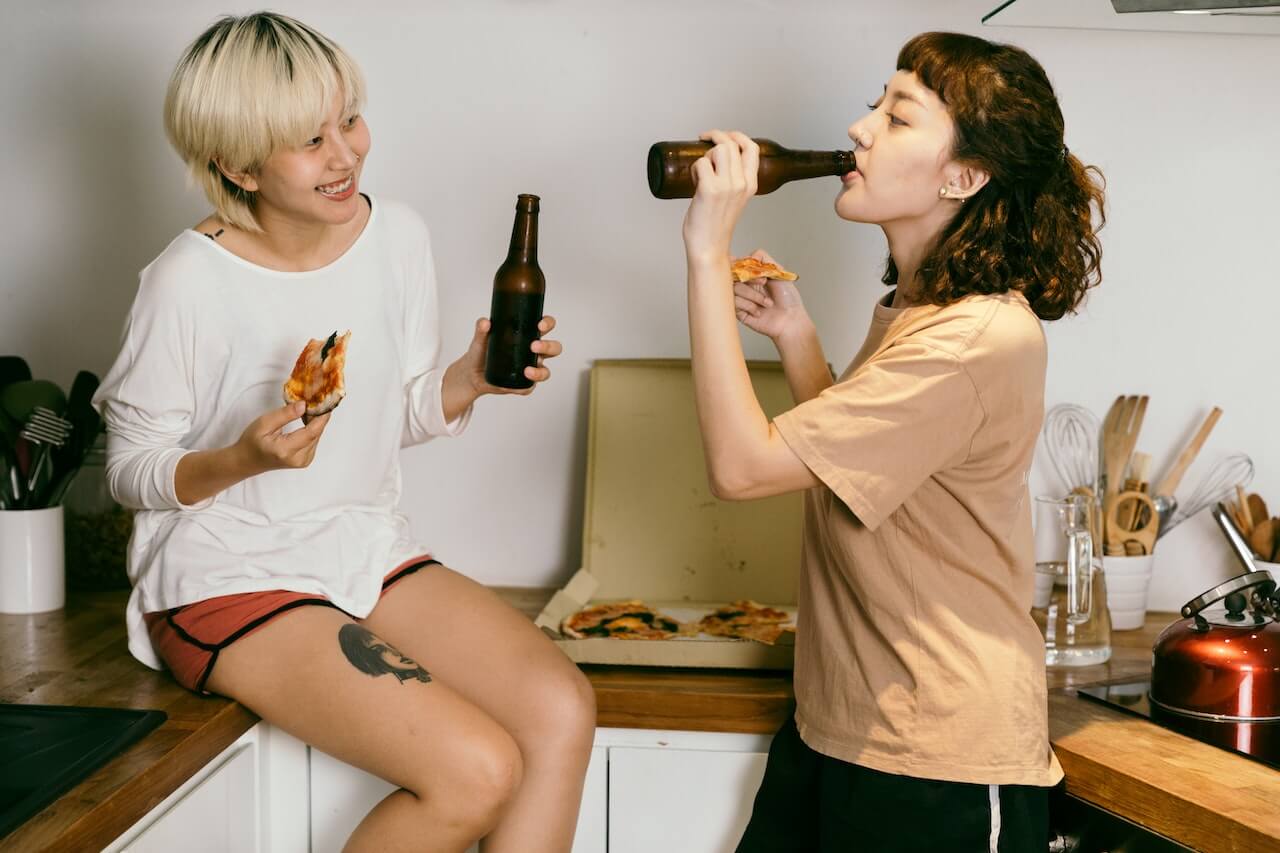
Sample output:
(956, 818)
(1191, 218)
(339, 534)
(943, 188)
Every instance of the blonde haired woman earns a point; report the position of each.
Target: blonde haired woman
(270, 564)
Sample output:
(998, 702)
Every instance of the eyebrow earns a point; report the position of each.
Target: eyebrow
(899, 95)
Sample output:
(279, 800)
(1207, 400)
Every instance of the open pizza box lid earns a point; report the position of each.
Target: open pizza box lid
(653, 531)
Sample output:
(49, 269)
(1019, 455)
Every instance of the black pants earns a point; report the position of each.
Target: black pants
(811, 803)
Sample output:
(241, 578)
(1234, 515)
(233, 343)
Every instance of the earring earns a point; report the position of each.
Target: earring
(942, 192)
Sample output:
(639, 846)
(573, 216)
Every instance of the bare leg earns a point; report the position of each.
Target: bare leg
(330, 682)
(496, 658)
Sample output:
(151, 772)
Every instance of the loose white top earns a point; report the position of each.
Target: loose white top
(207, 346)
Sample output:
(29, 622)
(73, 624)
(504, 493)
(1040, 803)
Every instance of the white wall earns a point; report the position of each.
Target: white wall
(474, 102)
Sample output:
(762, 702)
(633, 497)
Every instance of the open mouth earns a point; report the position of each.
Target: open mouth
(339, 189)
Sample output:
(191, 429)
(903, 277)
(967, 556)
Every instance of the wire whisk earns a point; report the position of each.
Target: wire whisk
(1071, 439)
(1217, 484)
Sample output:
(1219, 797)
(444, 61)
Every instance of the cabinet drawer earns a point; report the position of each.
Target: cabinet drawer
(220, 813)
(680, 799)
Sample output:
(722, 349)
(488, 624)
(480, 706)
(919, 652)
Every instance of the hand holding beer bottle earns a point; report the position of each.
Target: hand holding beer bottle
(508, 350)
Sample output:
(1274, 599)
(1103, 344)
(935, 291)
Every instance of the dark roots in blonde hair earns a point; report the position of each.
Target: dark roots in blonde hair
(1031, 228)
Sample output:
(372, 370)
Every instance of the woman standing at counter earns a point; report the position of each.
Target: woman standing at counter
(921, 718)
(274, 566)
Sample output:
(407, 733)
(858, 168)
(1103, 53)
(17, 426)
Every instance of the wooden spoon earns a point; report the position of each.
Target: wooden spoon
(1246, 516)
(1258, 512)
(1263, 539)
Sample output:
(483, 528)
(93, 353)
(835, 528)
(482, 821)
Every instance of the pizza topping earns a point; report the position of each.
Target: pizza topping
(745, 269)
(626, 619)
(317, 377)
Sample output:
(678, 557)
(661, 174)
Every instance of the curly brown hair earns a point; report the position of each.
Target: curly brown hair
(1031, 228)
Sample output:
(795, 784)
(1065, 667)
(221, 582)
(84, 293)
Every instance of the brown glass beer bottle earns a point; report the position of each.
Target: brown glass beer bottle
(516, 310)
(671, 166)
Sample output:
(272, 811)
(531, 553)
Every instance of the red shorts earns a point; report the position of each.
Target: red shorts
(188, 638)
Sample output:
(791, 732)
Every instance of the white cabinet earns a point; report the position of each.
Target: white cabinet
(680, 799)
(687, 791)
(216, 810)
(342, 795)
(645, 790)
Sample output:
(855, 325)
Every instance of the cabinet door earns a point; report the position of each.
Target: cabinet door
(220, 813)
(680, 799)
(342, 795)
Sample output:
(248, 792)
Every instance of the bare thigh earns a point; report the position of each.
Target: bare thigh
(393, 719)
(490, 653)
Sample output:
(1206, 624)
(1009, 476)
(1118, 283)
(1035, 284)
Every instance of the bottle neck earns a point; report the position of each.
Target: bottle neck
(814, 164)
(524, 232)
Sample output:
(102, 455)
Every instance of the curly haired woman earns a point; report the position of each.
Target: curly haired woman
(921, 721)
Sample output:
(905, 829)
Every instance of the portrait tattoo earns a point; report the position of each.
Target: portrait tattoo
(375, 657)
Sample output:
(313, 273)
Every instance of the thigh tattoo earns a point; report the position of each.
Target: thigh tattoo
(375, 657)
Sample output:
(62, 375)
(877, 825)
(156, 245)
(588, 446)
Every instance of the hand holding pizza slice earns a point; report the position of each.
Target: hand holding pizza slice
(317, 378)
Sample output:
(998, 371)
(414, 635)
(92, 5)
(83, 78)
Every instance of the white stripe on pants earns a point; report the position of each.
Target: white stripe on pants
(993, 794)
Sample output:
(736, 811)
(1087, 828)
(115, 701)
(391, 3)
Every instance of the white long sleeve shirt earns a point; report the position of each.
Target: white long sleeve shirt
(207, 346)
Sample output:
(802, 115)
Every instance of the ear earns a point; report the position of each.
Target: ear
(243, 180)
(965, 181)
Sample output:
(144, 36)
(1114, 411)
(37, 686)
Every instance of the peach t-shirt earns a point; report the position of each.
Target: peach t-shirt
(916, 651)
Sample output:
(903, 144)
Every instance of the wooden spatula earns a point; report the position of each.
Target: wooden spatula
(1263, 539)
(1169, 484)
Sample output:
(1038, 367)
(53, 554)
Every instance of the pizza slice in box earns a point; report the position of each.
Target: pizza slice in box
(747, 620)
(317, 376)
(623, 620)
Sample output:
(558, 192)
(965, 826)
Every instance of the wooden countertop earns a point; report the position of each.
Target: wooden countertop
(1196, 794)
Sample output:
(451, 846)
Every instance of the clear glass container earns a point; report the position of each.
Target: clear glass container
(1070, 600)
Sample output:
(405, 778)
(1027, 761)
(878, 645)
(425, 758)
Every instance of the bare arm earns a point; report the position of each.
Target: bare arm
(262, 447)
(746, 456)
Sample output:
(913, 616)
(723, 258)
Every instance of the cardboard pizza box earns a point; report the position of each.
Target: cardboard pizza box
(653, 531)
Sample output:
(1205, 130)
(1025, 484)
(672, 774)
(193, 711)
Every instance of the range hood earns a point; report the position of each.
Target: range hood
(1239, 17)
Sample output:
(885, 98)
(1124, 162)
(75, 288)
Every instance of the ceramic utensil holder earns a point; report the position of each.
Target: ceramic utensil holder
(1128, 586)
(32, 565)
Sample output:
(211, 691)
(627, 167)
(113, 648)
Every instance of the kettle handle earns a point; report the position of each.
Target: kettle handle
(1239, 583)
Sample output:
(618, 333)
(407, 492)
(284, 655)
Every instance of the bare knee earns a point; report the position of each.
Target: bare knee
(562, 710)
(476, 791)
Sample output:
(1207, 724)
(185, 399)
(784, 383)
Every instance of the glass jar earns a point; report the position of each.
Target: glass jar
(97, 529)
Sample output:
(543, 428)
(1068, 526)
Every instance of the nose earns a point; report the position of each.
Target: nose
(860, 135)
(342, 157)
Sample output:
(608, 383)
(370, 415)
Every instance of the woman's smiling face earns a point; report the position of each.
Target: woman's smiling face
(903, 153)
(318, 179)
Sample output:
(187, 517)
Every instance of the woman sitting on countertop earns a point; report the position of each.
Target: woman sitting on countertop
(272, 565)
(921, 720)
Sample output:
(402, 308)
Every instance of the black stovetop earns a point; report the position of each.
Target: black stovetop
(1132, 698)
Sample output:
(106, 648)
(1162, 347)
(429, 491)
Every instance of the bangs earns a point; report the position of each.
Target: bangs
(941, 61)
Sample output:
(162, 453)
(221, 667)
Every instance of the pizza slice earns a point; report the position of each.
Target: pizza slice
(625, 620)
(745, 269)
(317, 376)
(747, 620)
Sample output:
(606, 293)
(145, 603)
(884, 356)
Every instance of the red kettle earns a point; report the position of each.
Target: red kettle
(1215, 673)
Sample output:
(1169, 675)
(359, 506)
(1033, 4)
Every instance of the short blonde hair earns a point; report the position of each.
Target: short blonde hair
(246, 88)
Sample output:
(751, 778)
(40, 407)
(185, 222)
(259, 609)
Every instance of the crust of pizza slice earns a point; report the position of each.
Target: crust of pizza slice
(745, 269)
(317, 377)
